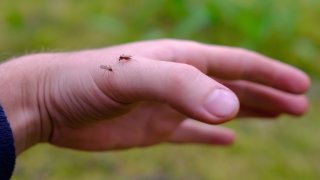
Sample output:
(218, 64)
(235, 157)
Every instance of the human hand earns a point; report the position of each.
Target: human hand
(163, 94)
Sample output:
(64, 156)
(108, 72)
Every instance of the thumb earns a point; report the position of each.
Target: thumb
(181, 86)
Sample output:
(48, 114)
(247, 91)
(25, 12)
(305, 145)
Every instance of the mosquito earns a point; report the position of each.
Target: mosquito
(125, 57)
(107, 68)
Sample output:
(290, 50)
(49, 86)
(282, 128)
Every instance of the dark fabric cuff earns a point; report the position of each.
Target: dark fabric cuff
(7, 149)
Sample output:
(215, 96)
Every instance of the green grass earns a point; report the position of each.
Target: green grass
(287, 30)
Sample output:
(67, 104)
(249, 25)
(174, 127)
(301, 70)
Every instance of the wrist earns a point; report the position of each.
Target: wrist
(18, 97)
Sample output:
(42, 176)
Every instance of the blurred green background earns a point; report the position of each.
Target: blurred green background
(287, 30)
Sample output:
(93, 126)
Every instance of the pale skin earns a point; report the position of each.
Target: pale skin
(169, 91)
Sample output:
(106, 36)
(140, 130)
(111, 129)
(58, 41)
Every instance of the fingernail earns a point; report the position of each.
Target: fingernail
(221, 103)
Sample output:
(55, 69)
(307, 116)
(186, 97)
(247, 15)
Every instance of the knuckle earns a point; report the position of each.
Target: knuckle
(168, 42)
(243, 58)
(245, 54)
(165, 49)
(240, 50)
(175, 49)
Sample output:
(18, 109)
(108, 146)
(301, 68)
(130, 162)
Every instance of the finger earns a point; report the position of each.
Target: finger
(267, 101)
(181, 86)
(191, 131)
(250, 112)
(234, 63)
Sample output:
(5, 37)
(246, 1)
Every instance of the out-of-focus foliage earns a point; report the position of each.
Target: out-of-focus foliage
(287, 30)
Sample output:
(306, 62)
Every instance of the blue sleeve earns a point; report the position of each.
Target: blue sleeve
(7, 149)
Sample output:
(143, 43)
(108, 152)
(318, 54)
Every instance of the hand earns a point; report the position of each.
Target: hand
(169, 91)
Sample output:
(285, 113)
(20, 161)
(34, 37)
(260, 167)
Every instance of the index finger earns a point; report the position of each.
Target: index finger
(235, 64)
